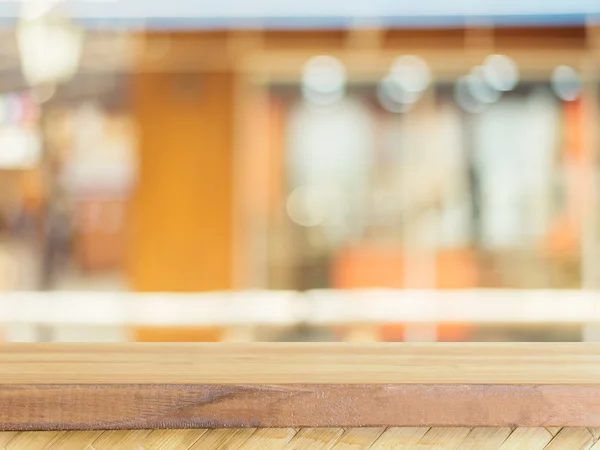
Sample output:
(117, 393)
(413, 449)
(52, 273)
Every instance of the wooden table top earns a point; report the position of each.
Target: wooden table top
(149, 386)
(302, 363)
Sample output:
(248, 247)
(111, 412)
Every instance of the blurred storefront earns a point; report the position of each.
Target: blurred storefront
(343, 156)
(68, 161)
(243, 174)
(455, 184)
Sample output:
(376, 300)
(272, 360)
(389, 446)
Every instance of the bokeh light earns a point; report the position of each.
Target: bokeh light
(43, 92)
(323, 80)
(408, 78)
(411, 72)
(481, 89)
(464, 97)
(393, 95)
(501, 72)
(307, 207)
(566, 83)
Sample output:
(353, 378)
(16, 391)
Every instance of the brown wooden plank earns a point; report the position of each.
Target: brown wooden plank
(157, 386)
(67, 407)
(489, 363)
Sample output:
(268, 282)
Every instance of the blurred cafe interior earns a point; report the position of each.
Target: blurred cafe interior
(384, 171)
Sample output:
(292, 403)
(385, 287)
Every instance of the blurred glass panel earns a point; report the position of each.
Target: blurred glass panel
(435, 196)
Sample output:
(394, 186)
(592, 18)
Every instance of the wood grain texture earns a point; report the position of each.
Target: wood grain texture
(485, 438)
(322, 363)
(121, 439)
(572, 439)
(79, 407)
(5, 437)
(198, 386)
(530, 438)
(223, 438)
(443, 438)
(358, 438)
(315, 438)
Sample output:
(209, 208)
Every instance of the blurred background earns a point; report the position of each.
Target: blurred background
(322, 171)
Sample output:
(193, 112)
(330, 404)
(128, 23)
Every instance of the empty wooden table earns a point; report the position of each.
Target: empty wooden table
(479, 396)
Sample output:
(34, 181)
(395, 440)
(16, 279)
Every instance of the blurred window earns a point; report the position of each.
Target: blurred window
(432, 196)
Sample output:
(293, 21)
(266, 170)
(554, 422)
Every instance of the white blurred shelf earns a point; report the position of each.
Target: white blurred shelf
(283, 308)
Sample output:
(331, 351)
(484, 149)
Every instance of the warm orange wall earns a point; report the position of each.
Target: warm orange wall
(182, 231)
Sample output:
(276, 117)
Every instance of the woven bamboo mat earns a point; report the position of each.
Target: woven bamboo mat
(309, 438)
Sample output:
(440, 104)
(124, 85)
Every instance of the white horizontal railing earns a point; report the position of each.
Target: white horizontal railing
(283, 308)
